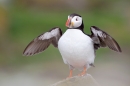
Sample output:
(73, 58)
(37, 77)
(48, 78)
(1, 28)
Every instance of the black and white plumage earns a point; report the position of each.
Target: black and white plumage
(77, 49)
(42, 42)
(102, 39)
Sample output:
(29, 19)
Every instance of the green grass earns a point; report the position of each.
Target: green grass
(25, 25)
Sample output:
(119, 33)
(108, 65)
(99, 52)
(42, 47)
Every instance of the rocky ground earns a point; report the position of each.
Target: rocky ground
(110, 70)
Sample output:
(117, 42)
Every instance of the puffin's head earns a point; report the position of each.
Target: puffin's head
(74, 21)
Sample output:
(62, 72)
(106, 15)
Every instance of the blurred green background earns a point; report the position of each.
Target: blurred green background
(23, 20)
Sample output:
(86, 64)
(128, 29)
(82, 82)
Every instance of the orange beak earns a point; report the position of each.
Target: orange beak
(68, 23)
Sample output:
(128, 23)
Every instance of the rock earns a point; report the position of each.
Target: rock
(86, 80)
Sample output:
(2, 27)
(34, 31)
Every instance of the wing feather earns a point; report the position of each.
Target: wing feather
(43, 41)
(105, 40)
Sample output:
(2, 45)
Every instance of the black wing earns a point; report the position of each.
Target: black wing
(102, 39)
(42, 42)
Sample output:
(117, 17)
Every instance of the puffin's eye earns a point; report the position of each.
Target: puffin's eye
(76, 19)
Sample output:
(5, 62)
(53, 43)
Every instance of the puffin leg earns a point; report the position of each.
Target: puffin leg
(71, 71)
(83, 72)
(70, 74)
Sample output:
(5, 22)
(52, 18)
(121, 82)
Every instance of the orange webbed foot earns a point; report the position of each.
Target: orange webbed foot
(70, 75)
(83, 72)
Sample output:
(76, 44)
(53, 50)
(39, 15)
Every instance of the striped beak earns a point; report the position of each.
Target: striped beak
(68, 22)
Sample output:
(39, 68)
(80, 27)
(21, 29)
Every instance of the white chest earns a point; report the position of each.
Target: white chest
(76, 48)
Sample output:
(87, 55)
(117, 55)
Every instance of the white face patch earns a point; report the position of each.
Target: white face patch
(68, 17)
(77, 21)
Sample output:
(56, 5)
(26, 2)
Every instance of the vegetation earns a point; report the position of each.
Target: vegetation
(25, 21)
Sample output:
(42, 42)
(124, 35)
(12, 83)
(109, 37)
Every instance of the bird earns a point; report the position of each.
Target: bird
(78, 49)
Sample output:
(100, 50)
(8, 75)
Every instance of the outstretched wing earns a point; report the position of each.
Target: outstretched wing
(102, 39)
(42, 42)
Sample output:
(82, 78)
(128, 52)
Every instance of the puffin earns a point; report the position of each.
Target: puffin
(75, 46)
